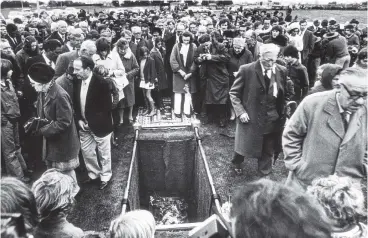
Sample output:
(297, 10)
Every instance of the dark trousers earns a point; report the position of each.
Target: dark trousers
(313, 64)
(216, 112)
(269, 149)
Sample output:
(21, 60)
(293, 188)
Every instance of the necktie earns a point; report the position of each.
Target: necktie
(267, 80)
(346, 118)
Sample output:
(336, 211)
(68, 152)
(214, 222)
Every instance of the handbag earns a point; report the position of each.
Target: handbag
(34, 124)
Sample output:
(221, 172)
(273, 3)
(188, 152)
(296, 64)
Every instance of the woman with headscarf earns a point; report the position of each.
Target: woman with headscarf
(239, 55)
(132, 69)
(294, 38)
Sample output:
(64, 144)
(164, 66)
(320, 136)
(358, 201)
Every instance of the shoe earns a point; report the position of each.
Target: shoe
(103, 184)
(131, 120)
(177, 115)
(188, 115)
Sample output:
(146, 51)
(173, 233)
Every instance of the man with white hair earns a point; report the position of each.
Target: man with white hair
(327, 134)
(60, 33)
(76, 37)
(258, 96)
(88, 48)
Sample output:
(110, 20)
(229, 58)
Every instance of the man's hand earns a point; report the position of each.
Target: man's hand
(187, 76)
(182, 73)
(19, 94)
(156, 80)
(83, 125)
(244, 118)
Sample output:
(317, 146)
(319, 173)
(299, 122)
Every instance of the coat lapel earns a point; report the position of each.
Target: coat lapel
(354, 125)
(259, 73)
(335, 120)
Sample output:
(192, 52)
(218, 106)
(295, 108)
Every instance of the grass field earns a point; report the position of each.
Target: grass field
(340, 16)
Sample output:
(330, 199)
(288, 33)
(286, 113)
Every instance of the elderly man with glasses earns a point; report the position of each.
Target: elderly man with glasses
(327, 134)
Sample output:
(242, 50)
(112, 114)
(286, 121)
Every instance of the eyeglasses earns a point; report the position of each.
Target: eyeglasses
(354, 96)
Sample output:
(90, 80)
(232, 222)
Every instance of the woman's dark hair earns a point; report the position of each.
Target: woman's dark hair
(204, 38)
(143, 50)
(158, 40)
(223, 21)
(6, 66)
(186, 34)
(277, 28)
(101, 28)
(103, 44)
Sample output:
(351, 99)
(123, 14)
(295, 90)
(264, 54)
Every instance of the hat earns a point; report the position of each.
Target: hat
(354, 21)
(156, 29)
(317, 39)
(362, 53)
(239, 42)
(229, 33)
(349, 27)
(330, 35)
(293, 26)
(292, 51)
(41, 73)
(332, 22)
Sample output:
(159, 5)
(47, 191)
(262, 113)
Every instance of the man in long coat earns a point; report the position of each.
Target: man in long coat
(258, 96)
(327, 134)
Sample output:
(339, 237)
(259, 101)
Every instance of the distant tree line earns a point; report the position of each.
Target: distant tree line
(13, 4)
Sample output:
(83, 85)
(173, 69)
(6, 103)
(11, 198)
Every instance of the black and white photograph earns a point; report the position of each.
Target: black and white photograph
(184, 118)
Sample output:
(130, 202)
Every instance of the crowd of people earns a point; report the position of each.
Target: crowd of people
(292, 86)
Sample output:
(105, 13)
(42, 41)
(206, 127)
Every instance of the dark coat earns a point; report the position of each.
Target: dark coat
(158, 58)
(215, 72)
(149, 70)
(245, 57)
(55, 35)
(63, 61)
(98, 106)
(61, 135)
(177, 63)
(67, 84)
(132, 70)
(308, 44)
(13, 45)
(133, 48)
(248, 94)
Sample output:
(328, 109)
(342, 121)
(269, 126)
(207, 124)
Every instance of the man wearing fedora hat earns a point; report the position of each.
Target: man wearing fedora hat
(337, 49)
(61, 145)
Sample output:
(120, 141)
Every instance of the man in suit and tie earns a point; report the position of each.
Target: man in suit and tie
(93, 107)
(87, 48)
(60, 33)
(308, 41)
(138, 40)
(327, 134)
(258, 96)
(13, 36)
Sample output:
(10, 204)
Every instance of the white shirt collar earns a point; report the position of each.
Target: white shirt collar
(48, 61)
(268, 71)
(88, 80)
(61, 36)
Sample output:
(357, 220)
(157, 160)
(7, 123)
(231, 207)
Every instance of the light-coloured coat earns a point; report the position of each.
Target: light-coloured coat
(315, 143)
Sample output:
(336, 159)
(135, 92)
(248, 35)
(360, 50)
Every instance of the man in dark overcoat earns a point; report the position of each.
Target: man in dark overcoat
(258, 96)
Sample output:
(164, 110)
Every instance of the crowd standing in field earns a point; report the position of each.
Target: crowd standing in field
(293, 86)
